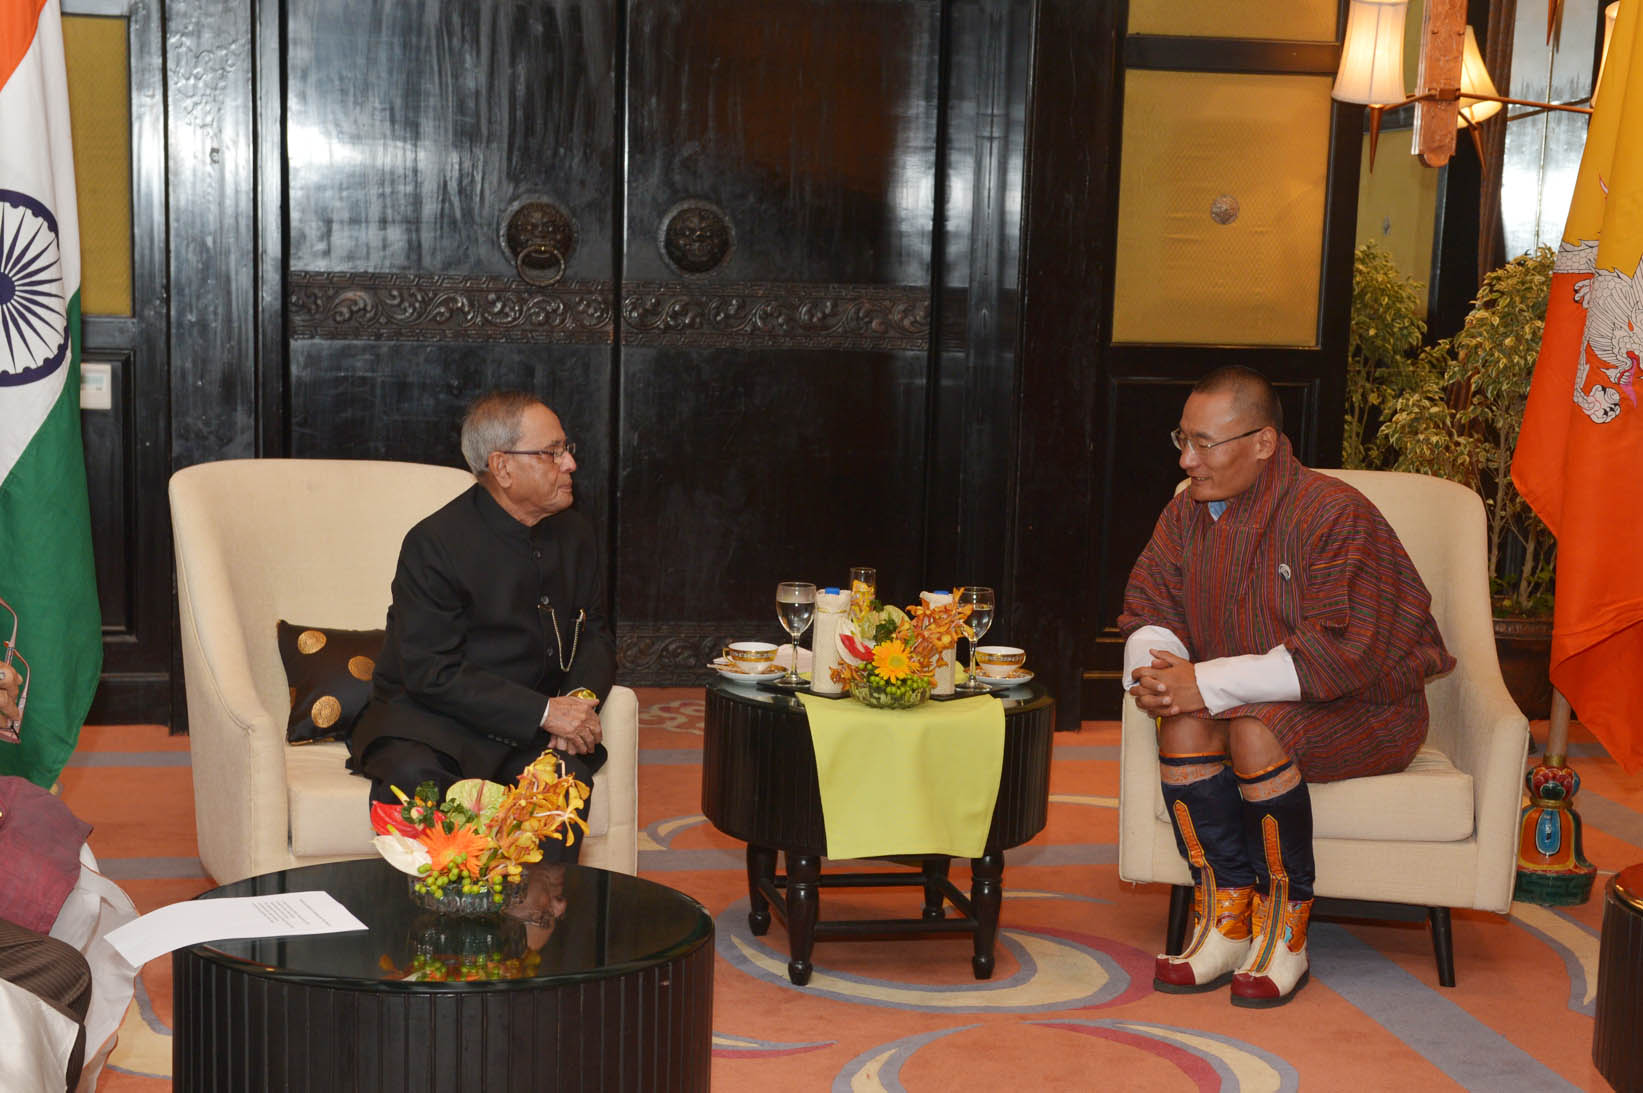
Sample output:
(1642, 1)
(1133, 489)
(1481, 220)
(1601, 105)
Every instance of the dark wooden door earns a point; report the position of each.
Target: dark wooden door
(775, 312)
(414, 132)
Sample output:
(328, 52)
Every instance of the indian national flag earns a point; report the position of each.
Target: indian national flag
(46, 572)
(1580, 453)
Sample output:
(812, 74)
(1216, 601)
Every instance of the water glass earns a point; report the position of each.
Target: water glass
(980, 599)
(795, 608)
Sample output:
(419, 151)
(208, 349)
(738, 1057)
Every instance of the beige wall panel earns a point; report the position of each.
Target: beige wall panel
(1286, 20)
(99, 102)
(1221, 208)
(1398, 205)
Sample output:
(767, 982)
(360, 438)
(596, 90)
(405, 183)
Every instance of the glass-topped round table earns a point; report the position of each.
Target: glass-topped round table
(591, 981)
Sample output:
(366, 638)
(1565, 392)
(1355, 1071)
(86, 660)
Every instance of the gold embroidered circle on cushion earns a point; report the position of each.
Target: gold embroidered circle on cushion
(310, 641)
(326, 711)
(361, 667)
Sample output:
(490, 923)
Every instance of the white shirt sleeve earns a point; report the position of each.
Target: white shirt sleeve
(1138, 646)
(1226, 682)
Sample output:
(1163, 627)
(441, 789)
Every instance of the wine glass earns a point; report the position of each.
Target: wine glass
(795, 607)
(980, 599)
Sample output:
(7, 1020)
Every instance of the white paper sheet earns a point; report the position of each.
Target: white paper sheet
(184, 924)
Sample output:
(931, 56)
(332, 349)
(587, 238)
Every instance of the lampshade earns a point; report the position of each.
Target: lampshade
(1371, 70)
(1475, 77)
(1609, 14)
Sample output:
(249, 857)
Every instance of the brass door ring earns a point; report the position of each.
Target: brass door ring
(532, 271)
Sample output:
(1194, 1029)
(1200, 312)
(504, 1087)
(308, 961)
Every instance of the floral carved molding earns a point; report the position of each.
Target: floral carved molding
(435, 308)
(800, 316)
(740, 315)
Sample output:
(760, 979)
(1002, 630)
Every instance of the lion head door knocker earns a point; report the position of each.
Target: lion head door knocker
(540, 237)
(695, 237)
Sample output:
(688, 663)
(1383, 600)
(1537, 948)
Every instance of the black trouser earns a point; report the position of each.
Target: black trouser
(54, 971)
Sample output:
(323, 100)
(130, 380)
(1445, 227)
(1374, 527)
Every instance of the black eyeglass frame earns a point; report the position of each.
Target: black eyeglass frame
(555, 452)
(1182, 441)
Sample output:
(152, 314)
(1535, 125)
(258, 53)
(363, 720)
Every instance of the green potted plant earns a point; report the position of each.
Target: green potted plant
(1453, 409)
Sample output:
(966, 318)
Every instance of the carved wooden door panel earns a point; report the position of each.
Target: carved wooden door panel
(775, 311)
(417, 135)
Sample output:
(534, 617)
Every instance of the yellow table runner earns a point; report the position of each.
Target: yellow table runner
(919, 781)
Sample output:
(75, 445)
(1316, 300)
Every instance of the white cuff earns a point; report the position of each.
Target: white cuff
(1139, 645)
(1226, 682)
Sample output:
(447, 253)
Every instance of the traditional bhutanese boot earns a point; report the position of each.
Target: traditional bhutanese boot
(1278, 827)
(1207, 814)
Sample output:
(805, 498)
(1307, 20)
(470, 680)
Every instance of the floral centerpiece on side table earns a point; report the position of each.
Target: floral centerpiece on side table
(464, 852)
(888, 657)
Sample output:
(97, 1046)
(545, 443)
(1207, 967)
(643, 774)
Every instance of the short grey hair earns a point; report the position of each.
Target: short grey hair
(493, 424)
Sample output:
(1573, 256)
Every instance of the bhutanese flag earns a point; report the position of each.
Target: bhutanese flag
(1579, 459)
(46, 569)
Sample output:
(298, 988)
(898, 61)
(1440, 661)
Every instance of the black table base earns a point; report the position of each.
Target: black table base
(647, 1030)
(799, 907)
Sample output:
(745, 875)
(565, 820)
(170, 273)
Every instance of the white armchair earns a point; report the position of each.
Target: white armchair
(1442, 833)
(314, 542)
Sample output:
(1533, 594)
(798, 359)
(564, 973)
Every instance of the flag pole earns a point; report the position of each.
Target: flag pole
(1552, 869)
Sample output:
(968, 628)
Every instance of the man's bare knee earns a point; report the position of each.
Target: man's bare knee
(1254, 747)
(1188, 734)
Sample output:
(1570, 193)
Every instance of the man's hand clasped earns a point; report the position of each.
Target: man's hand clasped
(573, 724)
(1168, 686)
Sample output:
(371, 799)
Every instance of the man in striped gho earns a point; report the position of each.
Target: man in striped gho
(1274, 619)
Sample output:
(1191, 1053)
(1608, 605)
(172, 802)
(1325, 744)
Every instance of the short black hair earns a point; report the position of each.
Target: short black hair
(1252, 393)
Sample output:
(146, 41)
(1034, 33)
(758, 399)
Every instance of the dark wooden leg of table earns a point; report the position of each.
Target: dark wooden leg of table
(935, 869)
(986, 894)
(761, 866)
(803, 898)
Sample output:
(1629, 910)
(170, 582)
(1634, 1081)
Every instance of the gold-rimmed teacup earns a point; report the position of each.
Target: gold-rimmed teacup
(997, 660)
(752, 657)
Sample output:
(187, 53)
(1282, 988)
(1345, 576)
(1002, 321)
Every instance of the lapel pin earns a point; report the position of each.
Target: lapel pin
(1283, 570)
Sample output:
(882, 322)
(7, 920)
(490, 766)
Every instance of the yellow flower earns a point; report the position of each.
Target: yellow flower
(890, 661)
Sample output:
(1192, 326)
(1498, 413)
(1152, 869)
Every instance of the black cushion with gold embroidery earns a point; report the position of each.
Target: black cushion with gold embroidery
(329, 673)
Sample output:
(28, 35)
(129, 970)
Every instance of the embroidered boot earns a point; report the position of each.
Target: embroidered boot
(1278, 828)
(1207, 814)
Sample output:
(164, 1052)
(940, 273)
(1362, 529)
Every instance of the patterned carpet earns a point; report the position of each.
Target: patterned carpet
(1071, 1005)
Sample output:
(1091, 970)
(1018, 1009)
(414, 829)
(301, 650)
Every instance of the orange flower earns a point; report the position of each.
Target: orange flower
(890, 661)
(464, 844)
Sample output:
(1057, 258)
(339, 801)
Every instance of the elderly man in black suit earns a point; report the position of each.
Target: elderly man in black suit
(498, 642)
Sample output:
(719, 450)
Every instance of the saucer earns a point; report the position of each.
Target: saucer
(736, 675)
(1010, 678)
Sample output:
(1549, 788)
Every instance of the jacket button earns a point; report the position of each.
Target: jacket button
(543, 602)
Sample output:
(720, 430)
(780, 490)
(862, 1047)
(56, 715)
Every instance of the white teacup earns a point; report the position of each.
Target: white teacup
(752, 657)
(998, 660)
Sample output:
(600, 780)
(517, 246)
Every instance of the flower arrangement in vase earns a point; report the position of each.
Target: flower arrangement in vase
(888, 657)
(463, 853)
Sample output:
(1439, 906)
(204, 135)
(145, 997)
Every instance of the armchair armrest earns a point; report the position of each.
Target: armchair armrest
(618, 782)
(1492, 746)
(235, 742)
(1138, 793)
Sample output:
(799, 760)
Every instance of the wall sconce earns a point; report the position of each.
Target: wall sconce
(1456, 91)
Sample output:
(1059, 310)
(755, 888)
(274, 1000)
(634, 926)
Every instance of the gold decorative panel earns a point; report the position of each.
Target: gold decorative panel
(1287, 20)
(99, 100)
(1221, 208)
(1398, 204)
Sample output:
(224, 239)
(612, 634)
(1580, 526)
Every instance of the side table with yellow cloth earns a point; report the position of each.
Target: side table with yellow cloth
(966, 778)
